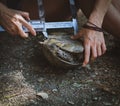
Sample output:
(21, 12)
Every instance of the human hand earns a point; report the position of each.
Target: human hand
(94, 44)
(13, 20)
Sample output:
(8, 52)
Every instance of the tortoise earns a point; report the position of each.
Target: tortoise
(61, 51)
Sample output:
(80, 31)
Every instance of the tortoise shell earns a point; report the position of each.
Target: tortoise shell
(62, 51)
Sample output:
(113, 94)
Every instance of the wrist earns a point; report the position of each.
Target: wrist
(97, 18)
(92, 26)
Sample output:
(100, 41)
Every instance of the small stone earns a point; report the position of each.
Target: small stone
(95, 98)
(85, 101)
(93, 89)
(96, 73)
(106, 70)
(42, 95)
(88, 66)
(77, 85)
(89, 81)
(107, 104)
(71, 102)
(40, 79)
(54, 90)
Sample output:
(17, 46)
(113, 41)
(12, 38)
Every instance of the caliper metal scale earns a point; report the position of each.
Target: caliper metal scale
(42, 26)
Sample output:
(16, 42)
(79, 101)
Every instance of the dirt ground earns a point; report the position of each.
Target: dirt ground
(27, 79)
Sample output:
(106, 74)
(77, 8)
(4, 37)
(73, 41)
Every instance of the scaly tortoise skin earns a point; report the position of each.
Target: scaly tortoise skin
(61, 51)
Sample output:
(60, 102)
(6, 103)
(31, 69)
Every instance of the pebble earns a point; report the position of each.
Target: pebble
(77, 85)
(96, 73)
(93, 89)
(71, 102)
(43, 95)
(40, 80)
(54, 90)
(95, 98)
(106, 70)
(107, 104)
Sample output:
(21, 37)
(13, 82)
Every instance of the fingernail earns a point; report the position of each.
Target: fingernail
(34, 32)
(26, 36)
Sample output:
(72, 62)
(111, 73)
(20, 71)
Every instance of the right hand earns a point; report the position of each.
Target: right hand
(94, 44)
(13, 20)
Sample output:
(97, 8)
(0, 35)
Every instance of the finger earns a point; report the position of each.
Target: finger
(94, 52)
(103, 46)
(22, 33)
(28, 26)
(87, 54)
(99, 51)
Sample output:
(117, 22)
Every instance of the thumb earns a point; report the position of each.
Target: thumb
(77, 36)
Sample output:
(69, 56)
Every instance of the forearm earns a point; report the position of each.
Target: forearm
(99, 11)
(3, 9)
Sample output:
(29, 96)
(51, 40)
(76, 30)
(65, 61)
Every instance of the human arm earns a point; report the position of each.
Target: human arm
(94, 42)
(13, 20)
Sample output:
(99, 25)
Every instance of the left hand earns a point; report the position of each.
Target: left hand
(13, 20)
(94, 44)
